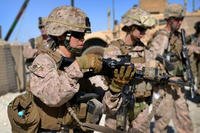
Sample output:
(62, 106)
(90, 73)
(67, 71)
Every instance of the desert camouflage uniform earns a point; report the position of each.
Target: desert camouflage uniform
(194, 41)
(112, 101)
(53, 88)
(142, 89)
(173, 106)
(50, 102)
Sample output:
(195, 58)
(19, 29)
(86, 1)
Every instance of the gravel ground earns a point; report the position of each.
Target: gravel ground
(5, 125)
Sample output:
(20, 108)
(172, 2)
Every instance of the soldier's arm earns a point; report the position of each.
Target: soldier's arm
(50, 86)
(158, 45)
(193, 49)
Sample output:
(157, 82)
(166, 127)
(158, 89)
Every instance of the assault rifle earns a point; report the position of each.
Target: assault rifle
(168, 65)
(156, 75)
(110, 64)
(126, 106)
(147, 74)
(186, 64)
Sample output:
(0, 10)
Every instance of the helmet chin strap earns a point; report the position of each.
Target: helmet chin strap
(74, 51)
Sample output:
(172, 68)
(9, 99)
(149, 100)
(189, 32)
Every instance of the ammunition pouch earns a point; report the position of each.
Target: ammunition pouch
(87, 109)
(142, 90)
(94, 111)
(178, 70)
(23, 114)
(138, 108)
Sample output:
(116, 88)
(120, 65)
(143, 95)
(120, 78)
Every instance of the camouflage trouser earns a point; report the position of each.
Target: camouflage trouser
(136, 125)
(139, 124)
(173, 106)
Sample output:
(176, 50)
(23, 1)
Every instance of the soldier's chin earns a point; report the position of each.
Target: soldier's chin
(79, 47)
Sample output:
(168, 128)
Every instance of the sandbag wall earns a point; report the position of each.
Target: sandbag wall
(12, 74)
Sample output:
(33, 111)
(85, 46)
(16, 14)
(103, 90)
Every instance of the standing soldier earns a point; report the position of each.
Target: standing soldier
(136, 21)
(167, 42)
(48, 105)
(32, 50)
(194, 51)
(39, 41)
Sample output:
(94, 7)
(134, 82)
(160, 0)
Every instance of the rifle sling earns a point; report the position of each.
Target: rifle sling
(93, 127)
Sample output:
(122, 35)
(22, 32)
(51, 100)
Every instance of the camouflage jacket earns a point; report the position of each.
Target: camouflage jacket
(112, 101)
(166, 44)
(53, 87)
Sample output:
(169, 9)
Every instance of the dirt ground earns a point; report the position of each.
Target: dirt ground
(5, 125)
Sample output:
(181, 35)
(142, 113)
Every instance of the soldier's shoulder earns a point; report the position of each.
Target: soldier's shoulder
(118, 43)
(42, 64)
(44, 58)
(112, 51)
(162, 32)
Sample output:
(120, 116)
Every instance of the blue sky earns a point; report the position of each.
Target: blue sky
(95, 9)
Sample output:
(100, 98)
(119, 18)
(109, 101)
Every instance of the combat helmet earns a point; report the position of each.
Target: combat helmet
(174, 10)
(66, 18)
(138, 17)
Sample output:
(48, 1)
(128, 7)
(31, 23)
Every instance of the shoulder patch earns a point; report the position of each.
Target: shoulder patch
(35, 67)
(42, 65)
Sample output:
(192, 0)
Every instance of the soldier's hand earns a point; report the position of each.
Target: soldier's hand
(121, 78)
(90, 61)
(191, 49)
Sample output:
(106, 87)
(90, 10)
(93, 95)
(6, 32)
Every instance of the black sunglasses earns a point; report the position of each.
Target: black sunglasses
(141, 29)
(78, 35)
(40, 27)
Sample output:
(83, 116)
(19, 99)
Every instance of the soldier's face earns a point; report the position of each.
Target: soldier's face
(138, 32)
(176, 23)
(42, 30)
(76, 40)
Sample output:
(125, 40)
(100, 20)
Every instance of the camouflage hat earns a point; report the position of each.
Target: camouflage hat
(41, 22)
(139, 17)
(174, 10)
(66, 18)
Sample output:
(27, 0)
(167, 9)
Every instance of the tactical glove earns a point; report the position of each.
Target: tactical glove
(90, 61)
(121, 78)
